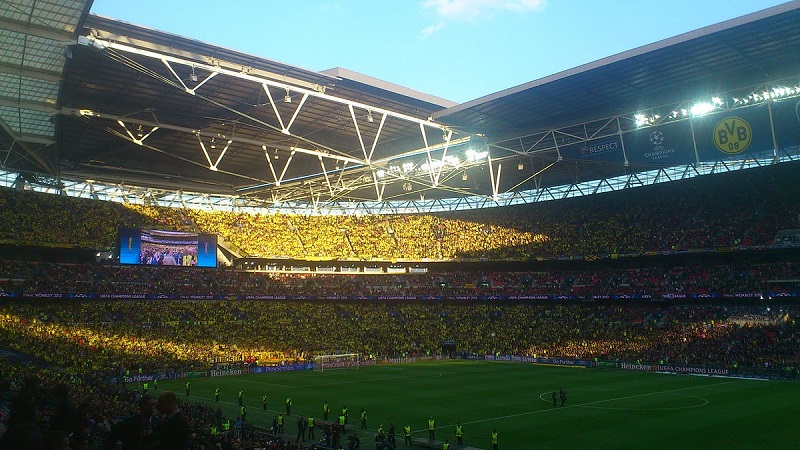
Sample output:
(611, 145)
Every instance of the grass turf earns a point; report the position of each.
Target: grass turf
(606, 409)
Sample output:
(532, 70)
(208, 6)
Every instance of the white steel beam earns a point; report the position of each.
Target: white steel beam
(104, 44)
(132, 120)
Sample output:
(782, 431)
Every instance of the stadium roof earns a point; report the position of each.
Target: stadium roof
(84, 97)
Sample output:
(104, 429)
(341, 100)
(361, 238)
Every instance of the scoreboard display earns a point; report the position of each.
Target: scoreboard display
(167, 248)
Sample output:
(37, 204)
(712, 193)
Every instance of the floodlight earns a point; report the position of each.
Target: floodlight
(473, 156)
(702, 108)
(287, 98)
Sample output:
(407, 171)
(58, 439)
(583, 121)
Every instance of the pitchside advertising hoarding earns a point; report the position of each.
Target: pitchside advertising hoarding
(631, 366)
(427, 298)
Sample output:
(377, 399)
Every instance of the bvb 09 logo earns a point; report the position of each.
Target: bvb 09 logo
(732, 135)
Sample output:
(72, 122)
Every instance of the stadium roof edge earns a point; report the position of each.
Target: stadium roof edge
(130, 94)
(688, 36)
(97, 20)
(343, 73)
(114, 29)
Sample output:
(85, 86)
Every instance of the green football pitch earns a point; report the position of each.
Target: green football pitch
(605, 409)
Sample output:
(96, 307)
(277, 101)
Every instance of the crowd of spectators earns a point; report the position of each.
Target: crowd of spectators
(656, 281)
(52, 220)
(46, 408)
(81, 344)
(86, 343)
(100, 336)
(702, 213)
(697, 214)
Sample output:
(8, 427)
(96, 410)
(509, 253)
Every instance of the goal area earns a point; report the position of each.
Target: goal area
(338, 361)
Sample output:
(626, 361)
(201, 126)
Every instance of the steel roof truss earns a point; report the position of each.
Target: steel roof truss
(222, 153)
(325, 172)
(448, 134)
(358, 133)
(189, 90)
(284, 130)
(155, 126)
(435, 169)
(8, 153)
(379, 188)
(600, 129)
(495, 181)
(377, 135)
(286, 166)
(535, 175)
(271, 167)
(202, 147)
(164, 152)
(104, 44)
(138, 140)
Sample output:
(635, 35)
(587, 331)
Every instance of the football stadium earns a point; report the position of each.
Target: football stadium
(604, 258)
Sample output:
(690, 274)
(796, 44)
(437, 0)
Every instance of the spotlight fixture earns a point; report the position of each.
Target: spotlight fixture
(702, 108)
(193, 75)
(370, 119)
(139, 132)
(213, 143)
(520, 166)
(464, 176)
(287, 98)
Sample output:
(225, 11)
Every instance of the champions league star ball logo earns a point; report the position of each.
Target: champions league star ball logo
(657, 137)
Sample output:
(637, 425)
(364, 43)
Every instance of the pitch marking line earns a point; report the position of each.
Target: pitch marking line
(590, 403)
(703, 401)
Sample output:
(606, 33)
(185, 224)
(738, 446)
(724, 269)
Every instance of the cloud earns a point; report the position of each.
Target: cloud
(468, 10)
(329, 7)
(427, 31)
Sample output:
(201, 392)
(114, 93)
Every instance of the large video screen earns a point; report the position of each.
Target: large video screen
(167, 248)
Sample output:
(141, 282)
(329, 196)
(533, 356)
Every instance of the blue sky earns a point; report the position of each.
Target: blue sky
(455, 49)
